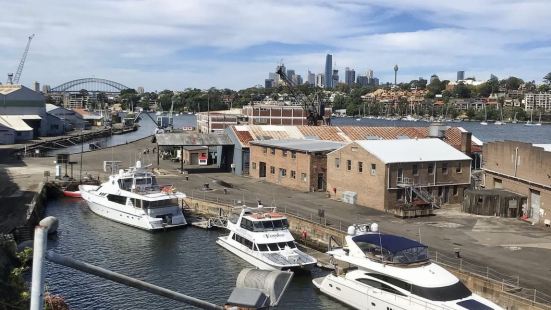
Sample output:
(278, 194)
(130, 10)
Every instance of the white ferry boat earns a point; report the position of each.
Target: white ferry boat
(393, 272)
(134, 198)
(261, 237)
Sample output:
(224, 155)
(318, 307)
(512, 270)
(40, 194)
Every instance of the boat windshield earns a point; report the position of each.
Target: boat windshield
(269, 225)
(265, 247)
(392, 249)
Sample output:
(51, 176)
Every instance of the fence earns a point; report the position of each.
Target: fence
(508, 284)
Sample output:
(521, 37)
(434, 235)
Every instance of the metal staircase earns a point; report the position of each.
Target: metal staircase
(410, 188)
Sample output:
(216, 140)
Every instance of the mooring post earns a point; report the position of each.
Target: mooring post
(47, 225)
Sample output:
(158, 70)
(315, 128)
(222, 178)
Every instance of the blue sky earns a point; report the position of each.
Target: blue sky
(177, 44)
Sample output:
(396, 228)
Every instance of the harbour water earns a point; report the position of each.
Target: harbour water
(186, 260)
(491, 132)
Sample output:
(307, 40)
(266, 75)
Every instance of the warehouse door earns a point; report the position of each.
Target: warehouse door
(261, 169)
(535, 205)
(194, 159)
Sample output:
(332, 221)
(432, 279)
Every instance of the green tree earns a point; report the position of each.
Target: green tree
(471, 113)
(513, 83)
(435, 86)
(547, 78)
(462, 91)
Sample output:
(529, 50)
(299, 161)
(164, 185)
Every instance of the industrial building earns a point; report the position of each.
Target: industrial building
(242, 135)
(208, 122)
(23, 115)
(298, 164)
(265, 114)
(71, 120)
(521, 168)
(407, 177)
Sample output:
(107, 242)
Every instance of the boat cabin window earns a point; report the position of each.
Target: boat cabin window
(445, 293)
(125, 184)
(160, 203)
(388, 279)
(273, 246)
(244, 241)
(379, 285)
(247, 224)
(268, 225)
(117, 199)
(262, 247)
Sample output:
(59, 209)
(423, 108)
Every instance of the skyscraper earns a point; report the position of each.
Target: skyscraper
(370, 73)
(36, 86)
(349, 76)
(311, 78)
(460, 75)
(320, 80)
(328, 70)
(141, 90)
(395, 73)
(335, 78)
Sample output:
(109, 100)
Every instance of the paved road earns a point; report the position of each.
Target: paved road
(506, 245)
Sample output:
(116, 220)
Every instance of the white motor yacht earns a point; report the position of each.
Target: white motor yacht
(261, 237)
(134, 198)
(393, 272)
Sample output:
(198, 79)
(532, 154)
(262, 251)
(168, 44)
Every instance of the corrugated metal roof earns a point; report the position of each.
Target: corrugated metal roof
(248, 133)
(16, 122)
(302, 145)
(412, 150)
(192, 138)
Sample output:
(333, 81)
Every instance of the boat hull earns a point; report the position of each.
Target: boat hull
(72, 194)
(117, 214)
(257, 262)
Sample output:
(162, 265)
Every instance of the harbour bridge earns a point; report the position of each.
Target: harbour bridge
(92, 85)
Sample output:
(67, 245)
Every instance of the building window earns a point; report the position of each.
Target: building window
(293, 154)
(293, 174)
(254, 165)
(360, 167)
(415, 170)
(458, 169)
(444, 168)
(348, 165)
(282, 172)
(431, 168)
(399, 195)
(284, 153)
(373, 169)
(455, 191)
(303, 177)
(272, 151)
(272, 169)
(337, 162)
(354, 148)
(264, 150)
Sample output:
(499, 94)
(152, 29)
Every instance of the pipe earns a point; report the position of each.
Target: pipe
(47, 225)
(126, 280)
(516, 161)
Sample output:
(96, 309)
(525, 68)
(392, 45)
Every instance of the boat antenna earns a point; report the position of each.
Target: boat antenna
(381, 247)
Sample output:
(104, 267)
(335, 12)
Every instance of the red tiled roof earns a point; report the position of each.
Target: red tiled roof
(244, 137)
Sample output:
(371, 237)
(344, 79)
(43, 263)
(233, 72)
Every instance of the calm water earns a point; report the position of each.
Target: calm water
(491, 132)
(185, 260)
(147, 128)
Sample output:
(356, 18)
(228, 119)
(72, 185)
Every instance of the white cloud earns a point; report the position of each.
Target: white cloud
(141, 42)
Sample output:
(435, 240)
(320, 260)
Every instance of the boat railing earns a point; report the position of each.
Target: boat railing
(167, 188)
(407, 301)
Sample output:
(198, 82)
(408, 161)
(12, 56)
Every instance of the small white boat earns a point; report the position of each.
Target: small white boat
(484, 123)
(261, 237)
(499, 123)
(134, 198)
(393, 272)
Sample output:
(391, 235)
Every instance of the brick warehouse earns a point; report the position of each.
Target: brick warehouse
(399, 175)
(522, 168)
(297, 164)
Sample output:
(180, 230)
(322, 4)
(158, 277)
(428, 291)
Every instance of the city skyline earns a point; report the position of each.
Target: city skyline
(222, 44)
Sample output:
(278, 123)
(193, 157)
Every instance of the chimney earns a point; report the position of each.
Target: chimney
(466, 142)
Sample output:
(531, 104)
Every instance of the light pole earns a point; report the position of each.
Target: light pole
(395, 74)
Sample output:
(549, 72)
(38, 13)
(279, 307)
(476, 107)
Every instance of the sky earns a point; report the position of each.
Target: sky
(176, 44)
